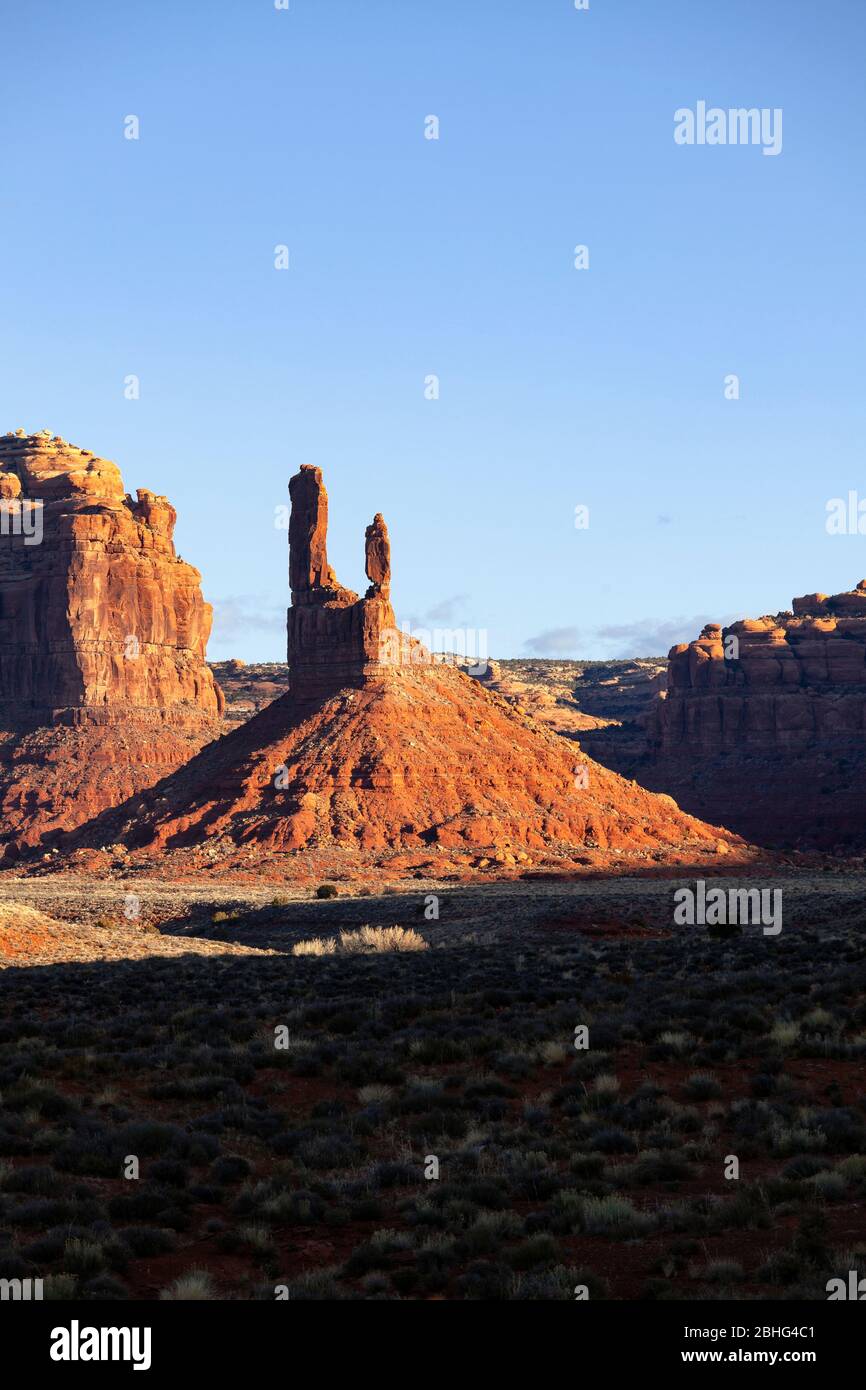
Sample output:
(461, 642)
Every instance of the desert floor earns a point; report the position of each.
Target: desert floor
(363, 1120)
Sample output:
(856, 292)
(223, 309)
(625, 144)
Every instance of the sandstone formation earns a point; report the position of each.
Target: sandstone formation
(101, 612)
(380, 758)
(378, 557)
(104, 686)
(763, 725)
(335, 638)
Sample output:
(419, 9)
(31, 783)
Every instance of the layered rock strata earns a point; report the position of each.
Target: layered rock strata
(763, 724)
(98, 613)
(104, 687)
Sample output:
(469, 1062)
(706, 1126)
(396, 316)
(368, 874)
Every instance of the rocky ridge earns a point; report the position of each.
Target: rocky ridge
(763, 724)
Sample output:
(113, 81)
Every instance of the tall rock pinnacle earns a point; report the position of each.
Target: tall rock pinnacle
(378, 557)
(308, 533)
(336, 638)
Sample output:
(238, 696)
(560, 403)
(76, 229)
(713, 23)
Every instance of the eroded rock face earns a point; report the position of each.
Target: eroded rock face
(763, 726)
(378, 557)
(104, 687)
(336, 638)
(100, 613)
(772, 682)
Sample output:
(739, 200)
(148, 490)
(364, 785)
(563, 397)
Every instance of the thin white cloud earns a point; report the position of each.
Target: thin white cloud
(555, 641)
(239, 614)
(652, 636)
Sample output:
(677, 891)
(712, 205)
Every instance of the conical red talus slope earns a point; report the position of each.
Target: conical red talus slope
(378, 753)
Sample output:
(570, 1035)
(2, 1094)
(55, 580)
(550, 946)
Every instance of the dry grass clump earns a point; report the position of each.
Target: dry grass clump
(366, 941)
(316, 946)
(195, 1286)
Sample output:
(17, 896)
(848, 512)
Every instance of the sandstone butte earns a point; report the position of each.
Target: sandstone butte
(104, 687)
(770, 738)
(379, 759)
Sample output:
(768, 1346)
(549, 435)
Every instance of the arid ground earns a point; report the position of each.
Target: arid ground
(323, 1111)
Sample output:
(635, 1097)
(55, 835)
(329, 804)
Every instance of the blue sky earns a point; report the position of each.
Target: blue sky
(411, 257)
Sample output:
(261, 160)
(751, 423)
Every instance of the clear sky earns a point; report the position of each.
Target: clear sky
(410, 257)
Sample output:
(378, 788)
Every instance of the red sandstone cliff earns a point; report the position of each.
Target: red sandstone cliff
(763, 725)
(104, 686)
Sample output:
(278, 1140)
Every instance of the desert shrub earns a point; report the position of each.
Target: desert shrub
(804, 1166)
(83, 1257)
(169, 1171)
(749, 1209)
(52, 1211)
(59, 1287)
(147, 1204)
(614, 1216)
(316, 946)
(488, 1233)
(326, 890)
(380, 939)
(677, 1042)
(34, 1181)
(540, 1249)
(722, 1272)
(702, 1086)
(651, 1168)
(229, 1168)
(195, 1286)
(375, 1094)
(314, 1285)
(103, 1289)
(484, 1279)
(853, 1168)
(788, 1139)
(782, 1267)
(256, 1238)
(830, 1187)
(300, 1208)
(612, 1141)
(842, 1128)
(557, 1284)
(148, 1240)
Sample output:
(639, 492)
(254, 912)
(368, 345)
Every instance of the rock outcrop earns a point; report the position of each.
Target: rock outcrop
(101, 612)
(335, 638)
(782, 682)
(104, 686)
(380, 758)
(763, 724)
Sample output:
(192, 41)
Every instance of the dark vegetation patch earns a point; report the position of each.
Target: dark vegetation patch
(429, 1129)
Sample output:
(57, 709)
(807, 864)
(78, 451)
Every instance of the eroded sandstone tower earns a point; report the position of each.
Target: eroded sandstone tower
(336, 638)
